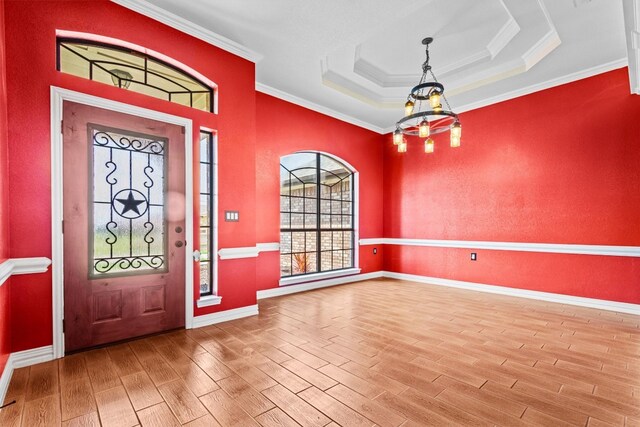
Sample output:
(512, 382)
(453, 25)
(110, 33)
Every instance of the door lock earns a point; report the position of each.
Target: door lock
(179, 243)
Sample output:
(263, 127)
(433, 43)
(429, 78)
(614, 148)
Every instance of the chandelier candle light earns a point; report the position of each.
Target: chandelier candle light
(423, 113)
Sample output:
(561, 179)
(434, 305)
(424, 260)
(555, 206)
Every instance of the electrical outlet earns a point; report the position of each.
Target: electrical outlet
(474, 256)
(375, 251)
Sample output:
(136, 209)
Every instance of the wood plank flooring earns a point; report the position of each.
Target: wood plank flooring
(380, 352)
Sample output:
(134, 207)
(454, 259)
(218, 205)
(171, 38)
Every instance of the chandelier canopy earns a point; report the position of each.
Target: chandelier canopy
(423, 112)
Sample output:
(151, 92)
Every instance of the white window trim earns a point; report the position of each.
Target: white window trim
(214, 298)
(208, 300)
(292, 280)
(312, 277)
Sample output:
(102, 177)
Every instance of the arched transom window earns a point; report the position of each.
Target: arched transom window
(135, 71)
(316, 214)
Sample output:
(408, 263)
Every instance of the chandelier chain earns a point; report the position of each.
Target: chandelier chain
(435, 79)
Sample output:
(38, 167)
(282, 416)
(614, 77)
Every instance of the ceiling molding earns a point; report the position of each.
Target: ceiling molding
(504, 37)
(316, 107)
(579, 75)
(379, 77)
(632, 32)
(174, 21)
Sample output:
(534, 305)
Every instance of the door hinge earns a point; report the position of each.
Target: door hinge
(61, 126)
(63, 226)
(182, 129)
(63, 326)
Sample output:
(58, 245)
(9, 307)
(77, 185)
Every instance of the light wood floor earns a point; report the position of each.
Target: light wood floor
(381, 352)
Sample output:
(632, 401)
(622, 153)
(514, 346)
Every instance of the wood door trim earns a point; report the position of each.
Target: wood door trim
(58, 96)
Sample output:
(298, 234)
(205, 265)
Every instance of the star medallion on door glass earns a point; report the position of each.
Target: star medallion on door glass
(130, 204)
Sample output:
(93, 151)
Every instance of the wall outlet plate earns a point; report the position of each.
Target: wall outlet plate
(474, 256)
(375, 251)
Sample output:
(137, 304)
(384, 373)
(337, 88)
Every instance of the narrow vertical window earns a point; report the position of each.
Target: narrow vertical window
(206, 213)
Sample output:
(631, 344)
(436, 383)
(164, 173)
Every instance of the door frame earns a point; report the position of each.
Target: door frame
(58, 96)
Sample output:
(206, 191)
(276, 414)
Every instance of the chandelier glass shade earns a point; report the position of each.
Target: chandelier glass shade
(424, 114)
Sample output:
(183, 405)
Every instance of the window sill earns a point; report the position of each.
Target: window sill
(208, 300)
(318, 276)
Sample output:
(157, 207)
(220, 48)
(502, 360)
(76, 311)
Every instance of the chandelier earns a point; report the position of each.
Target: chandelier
(424, 115)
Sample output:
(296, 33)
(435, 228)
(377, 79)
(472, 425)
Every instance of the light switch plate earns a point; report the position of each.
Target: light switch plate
(232, 216)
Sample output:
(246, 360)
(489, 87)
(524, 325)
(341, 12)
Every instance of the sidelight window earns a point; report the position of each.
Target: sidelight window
(206, 213)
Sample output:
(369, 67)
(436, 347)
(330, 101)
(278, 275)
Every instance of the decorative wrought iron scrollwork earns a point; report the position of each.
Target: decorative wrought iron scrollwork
(128, 184)
(151, 146)
(105, 265)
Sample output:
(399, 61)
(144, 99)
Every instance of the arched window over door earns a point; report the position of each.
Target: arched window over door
(317, 230)
(133, 70)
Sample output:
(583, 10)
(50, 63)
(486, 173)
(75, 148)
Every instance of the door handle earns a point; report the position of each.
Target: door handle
(180, 243)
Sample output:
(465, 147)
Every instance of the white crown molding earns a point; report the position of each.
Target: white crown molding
(508, 31)
(154, 12)
(13, 266)
(557, 248)
(292, 289)
(268, 247)
(632, 31)
(21, 359)
(225, 316)
(237, 253)
(545, 45)
(621, 307)
(578, 75)
(277, 93)
(379, 77)
(541, 49)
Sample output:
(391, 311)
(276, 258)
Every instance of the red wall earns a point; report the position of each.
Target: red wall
(557, 166)
(5, 303)
(31, 70)
(284, 128)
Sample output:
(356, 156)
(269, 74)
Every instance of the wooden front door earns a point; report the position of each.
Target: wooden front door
(124, 221)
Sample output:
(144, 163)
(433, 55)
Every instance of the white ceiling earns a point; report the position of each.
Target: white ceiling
(357, 59)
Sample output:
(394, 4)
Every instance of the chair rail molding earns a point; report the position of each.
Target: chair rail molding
(558, 248)
(13, 266)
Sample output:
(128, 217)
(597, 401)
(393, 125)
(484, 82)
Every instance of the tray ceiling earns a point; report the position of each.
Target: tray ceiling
(356, 60)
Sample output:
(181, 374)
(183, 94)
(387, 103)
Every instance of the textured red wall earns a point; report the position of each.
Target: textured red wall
(284, 128)
(5, 303)
(557, 166)
(31, 71)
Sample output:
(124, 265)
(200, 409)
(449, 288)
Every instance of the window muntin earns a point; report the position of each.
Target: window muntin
(206, 213)
(316, 215)
(134, 71)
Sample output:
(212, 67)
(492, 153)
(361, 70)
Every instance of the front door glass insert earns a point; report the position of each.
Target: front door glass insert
(128, 225)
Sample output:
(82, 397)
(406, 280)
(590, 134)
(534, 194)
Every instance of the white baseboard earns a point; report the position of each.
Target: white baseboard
(621, 307)
(32, 357)
(21, 359)
(5, 378)
(225, 316)
(292, 289)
